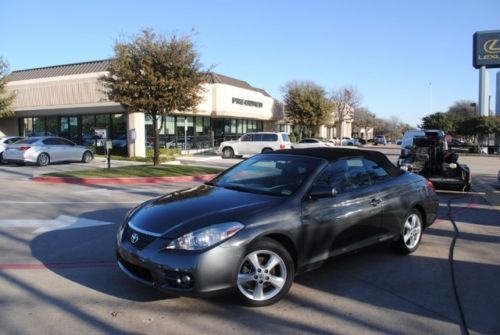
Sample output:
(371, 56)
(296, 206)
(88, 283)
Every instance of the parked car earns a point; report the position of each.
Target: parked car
(361, 141)
(45, 150)
(380, 139)
(5, 141)
(311, 143)
(273, 215)
(349, 141)
(255, 143)
(120, 142)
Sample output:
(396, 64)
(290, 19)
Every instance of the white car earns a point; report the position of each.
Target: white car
(311, 143)
(45, 150)
(6, 141)
(255, 143)
(350, 141)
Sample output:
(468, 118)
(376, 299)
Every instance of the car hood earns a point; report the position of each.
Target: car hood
(179, 213)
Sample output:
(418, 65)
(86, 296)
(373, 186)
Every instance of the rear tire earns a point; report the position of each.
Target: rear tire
(43, 159)
(265, 273)
(227, 152)
(411, 233)
(267, 150)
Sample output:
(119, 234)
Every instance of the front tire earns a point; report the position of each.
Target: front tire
(227, 152)
(87, 157)
(411, 233)
(43, 159)
(265, 273)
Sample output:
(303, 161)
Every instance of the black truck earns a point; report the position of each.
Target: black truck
(429, 156)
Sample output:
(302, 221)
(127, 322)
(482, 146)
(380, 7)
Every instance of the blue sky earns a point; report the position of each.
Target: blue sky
(389, 50)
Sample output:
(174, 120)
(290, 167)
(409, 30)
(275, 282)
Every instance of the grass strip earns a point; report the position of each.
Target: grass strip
(137, 171)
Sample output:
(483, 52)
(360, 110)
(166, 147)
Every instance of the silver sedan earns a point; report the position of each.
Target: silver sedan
(45, 150)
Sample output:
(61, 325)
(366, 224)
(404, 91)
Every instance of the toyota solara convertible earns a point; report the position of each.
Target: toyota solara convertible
(255, 226)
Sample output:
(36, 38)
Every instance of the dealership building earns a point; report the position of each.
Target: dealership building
(70, 101)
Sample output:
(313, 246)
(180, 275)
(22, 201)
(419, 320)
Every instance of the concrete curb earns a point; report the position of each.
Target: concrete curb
(133, 180)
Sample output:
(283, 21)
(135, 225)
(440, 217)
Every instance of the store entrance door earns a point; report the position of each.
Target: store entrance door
(69, 128)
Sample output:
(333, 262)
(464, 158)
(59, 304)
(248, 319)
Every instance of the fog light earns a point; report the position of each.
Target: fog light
(183, 280)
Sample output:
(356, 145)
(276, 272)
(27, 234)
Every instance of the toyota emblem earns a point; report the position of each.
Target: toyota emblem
(134, 238)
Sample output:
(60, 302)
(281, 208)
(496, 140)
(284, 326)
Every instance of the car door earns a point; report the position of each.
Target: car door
(268, 141)
(52, 147)
(245, 143)
(395, 196)
(71, 152)
(347, 221)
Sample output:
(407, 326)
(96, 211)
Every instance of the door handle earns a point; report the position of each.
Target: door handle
(375, 202)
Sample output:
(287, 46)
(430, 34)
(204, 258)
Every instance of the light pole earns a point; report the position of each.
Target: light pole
(430, 98)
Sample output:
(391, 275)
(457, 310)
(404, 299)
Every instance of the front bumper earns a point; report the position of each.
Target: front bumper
(179, 272)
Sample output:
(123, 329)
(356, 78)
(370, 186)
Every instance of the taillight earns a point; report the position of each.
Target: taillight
(430, 186)
(282, 146)
(24, 148)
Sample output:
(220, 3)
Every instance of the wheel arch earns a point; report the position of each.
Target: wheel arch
(287, 243)
(231, 148)
(423, 215)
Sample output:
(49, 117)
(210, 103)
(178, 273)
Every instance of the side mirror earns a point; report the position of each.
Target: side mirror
(319, 191)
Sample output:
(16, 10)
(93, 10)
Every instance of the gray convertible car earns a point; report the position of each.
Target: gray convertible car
(255, 226)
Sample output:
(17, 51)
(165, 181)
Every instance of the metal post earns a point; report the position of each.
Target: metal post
(484, 89)
(497, 112)
(185, 132)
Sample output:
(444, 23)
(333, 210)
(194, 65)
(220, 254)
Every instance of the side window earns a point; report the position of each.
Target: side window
(357, 176)
(334, 175)
(257, 137)
(376, 172)
(51, 141)
(63, 141)
(247, 138)
(269, 137)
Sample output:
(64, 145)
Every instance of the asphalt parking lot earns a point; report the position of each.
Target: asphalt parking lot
(58, 273)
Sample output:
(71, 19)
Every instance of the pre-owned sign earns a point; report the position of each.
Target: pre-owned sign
(486, 49)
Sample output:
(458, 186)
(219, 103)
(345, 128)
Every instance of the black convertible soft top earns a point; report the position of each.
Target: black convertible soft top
(332, 154)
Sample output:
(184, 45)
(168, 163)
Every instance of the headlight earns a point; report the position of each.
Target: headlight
(206, 237)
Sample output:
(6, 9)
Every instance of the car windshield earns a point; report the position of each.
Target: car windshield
(278, 175)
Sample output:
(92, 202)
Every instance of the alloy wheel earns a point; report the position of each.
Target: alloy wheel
(262, 275)
(412, 231)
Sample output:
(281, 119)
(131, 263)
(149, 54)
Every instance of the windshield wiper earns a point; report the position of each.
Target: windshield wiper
(240, 188)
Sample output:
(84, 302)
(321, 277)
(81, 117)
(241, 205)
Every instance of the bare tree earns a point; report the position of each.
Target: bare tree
(363, 119)
(346, 100)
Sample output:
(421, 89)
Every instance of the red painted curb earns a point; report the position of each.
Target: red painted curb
(134, 180)
(50, 266)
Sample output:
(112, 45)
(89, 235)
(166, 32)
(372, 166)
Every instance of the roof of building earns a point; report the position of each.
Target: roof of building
(102, 66)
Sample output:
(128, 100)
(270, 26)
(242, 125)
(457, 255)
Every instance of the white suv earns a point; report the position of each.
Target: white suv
(255, 143)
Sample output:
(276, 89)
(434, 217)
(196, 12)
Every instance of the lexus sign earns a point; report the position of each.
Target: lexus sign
(486, 49)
